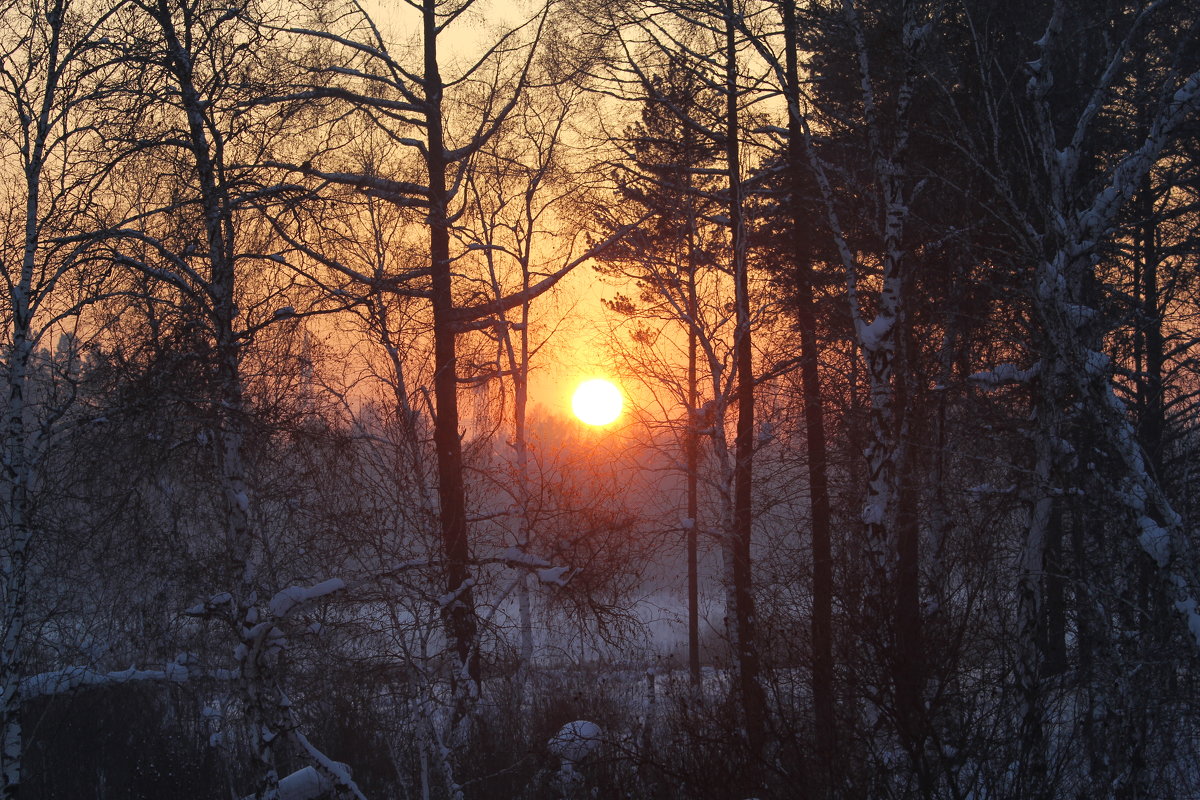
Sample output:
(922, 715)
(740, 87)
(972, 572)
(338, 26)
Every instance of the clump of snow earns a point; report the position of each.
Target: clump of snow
(69, 679)
(874, 511)
(303, 784)
(1154, 540)
(575, 741)
(1097, 362)
(871, 335)
(445, 600)
(1187, 607)
(990, 488)
(1003, 374)
(1078, 315)
(288, 599)
(555, 575)
(519, 558)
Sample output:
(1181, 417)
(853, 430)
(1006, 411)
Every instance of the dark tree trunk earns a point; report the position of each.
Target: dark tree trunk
(825, 727)
(459, 611)
(745, 642)
(693, 465)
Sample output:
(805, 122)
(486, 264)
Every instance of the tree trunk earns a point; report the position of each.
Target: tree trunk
(744, 640)
(692, 454)
(459, 608)
(18, 534)
(825, 726)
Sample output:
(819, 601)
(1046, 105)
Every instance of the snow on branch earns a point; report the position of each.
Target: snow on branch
(1004, 375)
(287, 600)
(70, 679)
(333, 774)
(545, 571)
(517, 558)
(557, 576)
(1155, 540)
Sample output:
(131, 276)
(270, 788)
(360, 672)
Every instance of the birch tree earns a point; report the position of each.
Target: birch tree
(54, 61)
(1066, 211)
(883, 102)
(205, 244)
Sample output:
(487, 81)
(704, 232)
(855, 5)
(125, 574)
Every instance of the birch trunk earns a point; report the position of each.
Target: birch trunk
(40, 104)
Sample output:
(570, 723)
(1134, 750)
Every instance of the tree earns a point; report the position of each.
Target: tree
(53, 68)
(205, 243)
(868, 104)
(665, 257)
(712, 41)
(1082, 170)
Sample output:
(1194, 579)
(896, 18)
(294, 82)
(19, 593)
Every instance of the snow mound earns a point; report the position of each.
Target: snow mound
(575, 741)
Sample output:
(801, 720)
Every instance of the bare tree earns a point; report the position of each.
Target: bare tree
(53, 65)
(208, 248)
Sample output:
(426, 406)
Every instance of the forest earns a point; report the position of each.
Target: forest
(903, 298)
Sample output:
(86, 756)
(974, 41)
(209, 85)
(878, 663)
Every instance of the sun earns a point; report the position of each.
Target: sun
(597, 401)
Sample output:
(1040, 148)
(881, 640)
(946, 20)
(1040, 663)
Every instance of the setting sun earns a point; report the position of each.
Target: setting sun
(597, 401)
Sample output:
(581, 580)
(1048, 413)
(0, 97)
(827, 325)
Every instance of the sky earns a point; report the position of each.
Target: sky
(578, 349)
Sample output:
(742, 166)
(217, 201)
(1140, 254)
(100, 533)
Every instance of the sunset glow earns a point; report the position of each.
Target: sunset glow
(597, 402)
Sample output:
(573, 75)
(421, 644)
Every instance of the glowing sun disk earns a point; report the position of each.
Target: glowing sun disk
(597, 402)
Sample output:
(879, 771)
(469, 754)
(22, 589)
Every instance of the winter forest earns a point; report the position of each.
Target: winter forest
(902, 298)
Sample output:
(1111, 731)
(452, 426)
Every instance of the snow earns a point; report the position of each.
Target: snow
(991, 488)
(303, 784)
(69, 679)
(1154, 541)
(1097, 363)
(1187, 607)
(1189, 92)
(873, 512)
(559, 576)
(1078, 315)
(519, 558)
(1003, 374)
(871, 335)
(445, 600)
(575, 741)
(288, 599)
(216, 601)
